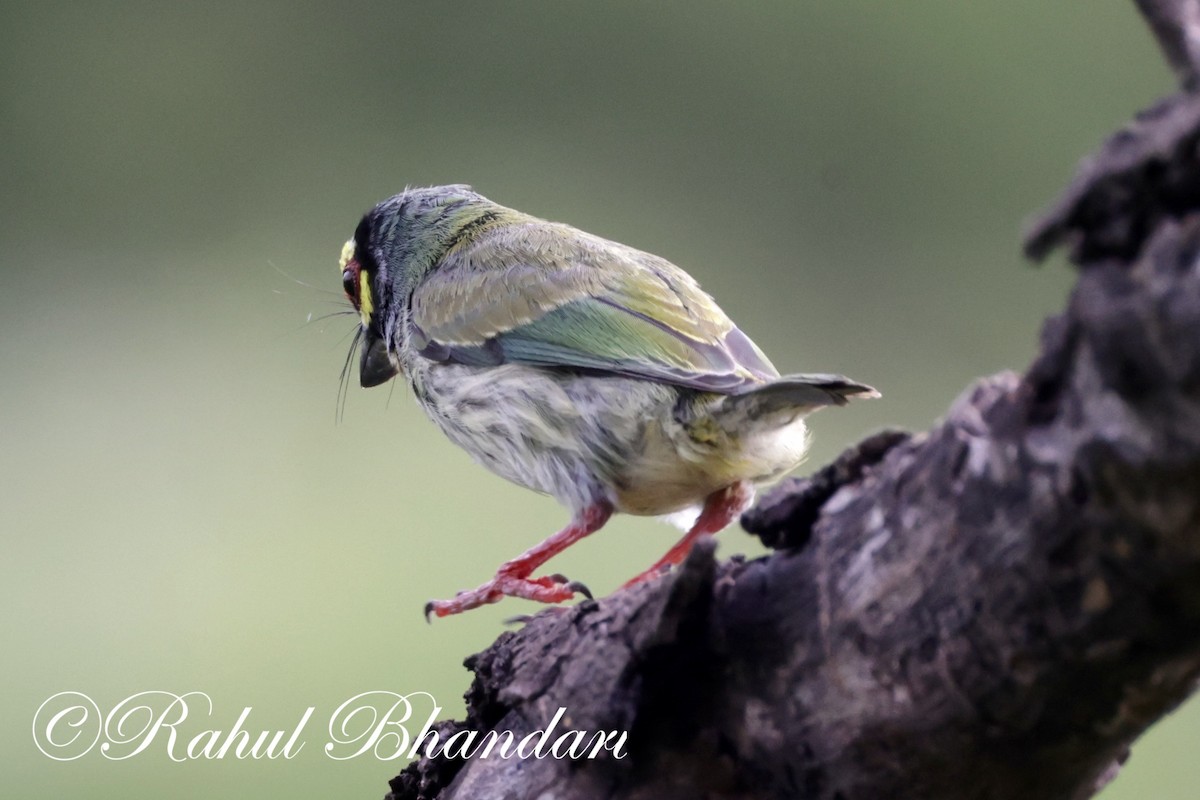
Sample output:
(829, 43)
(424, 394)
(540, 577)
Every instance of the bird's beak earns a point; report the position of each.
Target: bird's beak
(375, 367)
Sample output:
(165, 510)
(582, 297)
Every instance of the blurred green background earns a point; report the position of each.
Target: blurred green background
(181, 509)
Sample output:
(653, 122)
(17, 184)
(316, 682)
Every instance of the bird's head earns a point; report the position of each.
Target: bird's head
(394, 246)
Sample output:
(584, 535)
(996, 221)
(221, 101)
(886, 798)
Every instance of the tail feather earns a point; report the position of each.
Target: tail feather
(797, 394)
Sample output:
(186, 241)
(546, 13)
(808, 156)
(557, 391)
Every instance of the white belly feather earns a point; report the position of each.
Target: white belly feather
(582, 438)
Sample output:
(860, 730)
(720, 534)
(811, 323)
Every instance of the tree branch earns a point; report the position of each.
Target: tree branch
(995, 608)
(1176, 25)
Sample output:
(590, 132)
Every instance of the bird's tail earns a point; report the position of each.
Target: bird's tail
(794, 395)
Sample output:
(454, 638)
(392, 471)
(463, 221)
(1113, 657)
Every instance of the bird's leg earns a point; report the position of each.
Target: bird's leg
(720, 508)
(512, 579)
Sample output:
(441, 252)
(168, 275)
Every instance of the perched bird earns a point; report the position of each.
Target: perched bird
(574, 366)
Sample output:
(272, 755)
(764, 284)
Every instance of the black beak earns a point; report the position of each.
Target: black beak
(375, 367)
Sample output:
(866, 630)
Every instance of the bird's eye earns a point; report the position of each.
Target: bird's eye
(350, 268)
(350, 282)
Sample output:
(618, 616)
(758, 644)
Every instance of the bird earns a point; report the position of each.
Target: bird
(575, 366)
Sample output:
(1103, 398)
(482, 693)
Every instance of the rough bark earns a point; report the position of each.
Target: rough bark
(995, 608)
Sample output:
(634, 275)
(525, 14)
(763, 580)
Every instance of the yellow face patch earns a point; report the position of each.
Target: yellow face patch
(347, 254)
(366, 305)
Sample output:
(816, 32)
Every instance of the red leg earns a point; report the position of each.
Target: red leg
(512, 579)
(720, 508)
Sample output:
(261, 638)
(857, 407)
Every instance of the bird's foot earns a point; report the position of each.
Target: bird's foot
(550, 589)
(512, 579)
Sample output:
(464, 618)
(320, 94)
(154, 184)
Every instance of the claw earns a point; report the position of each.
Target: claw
(567, 583)
(428, 611)
(519, 619)
(576, 586)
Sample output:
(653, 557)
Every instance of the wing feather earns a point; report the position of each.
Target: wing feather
(551, 296)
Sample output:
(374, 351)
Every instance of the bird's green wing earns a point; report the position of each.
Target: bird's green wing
(550, 296)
